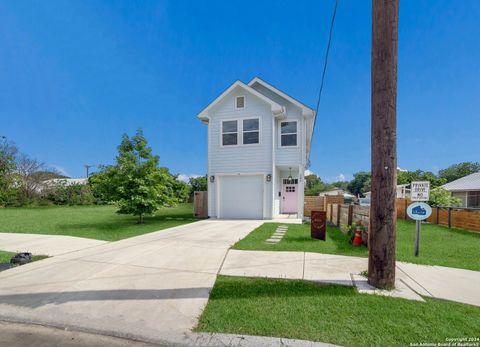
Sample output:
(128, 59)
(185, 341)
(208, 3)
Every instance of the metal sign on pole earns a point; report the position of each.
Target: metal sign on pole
(420, 191)
(418, 211)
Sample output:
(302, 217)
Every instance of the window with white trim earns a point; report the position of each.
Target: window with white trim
(288, 134)
(251, 131)
(229, 133)
(290, 181)
(240, 102)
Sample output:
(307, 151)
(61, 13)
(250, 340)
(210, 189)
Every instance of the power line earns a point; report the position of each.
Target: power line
(325, 65)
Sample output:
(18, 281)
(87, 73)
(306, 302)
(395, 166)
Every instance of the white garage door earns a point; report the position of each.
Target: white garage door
(241, 197)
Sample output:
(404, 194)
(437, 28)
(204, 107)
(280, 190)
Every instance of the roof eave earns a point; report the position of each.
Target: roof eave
(280, 93)
(203, 118)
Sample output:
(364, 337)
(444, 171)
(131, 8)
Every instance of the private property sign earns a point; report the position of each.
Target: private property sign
(420, 191)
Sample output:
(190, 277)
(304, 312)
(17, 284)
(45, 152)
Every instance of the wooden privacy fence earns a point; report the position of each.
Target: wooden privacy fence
(200, 204)
(319, 203)
(453, 217)
(339, 214)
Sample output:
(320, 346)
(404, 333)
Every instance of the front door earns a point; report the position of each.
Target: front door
(289, 198)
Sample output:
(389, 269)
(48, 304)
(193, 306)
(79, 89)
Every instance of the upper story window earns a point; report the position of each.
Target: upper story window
(240, 132)
(251, 130)
(240, 102)
(229, 133)
(288, 134)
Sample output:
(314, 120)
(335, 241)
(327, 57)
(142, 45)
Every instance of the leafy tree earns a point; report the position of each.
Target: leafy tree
(181, 190)
(104, 184)
(456, 171)
(340, 184)
(198, 184)
(64, 194)
(406, 177)
(312, 181)
(48, 174)
(314, 185)
(360, 183)
(441, 197)
(8, 153)
(136, 183)
(30, 176)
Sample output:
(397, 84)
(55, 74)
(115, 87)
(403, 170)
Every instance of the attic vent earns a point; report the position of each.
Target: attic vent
(240, 102)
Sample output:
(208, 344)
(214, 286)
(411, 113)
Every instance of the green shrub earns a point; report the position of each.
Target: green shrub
(75, 194)
(441, 197)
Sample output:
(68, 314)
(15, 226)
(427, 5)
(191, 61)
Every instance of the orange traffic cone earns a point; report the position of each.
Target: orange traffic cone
(357, 240)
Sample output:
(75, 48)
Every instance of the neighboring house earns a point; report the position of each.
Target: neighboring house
(337, 191)
(403, 191)
(258, 149)
(467, 189)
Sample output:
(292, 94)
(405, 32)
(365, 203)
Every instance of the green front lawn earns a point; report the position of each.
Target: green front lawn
(330, 313)
(6, 256)
(439, 245)
(96, 222)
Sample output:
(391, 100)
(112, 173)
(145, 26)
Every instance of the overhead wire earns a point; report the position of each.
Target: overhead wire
(332, 22)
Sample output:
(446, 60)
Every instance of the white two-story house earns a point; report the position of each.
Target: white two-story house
(258, 149)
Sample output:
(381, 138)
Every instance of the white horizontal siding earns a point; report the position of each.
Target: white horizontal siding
(240, 158)
(286, 155)
(252, 158)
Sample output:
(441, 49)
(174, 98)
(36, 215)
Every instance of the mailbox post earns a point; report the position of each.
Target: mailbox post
(318, 225)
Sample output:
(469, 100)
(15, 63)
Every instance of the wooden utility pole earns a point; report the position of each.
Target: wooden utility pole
(383, 217)
(87, 168)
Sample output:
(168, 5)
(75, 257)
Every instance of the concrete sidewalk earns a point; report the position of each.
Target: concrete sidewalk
(413, 281)
(39, 244)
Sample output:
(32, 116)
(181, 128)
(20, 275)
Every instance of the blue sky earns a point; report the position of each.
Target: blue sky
(75, 75)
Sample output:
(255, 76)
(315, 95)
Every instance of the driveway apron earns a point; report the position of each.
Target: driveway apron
(152, 287)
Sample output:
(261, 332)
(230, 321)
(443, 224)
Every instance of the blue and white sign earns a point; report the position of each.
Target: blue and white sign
(419, 211)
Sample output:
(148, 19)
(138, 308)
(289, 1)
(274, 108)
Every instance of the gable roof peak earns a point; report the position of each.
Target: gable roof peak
(277, 109)
(284, 95)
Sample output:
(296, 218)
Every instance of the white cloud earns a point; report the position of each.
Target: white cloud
(340, 178)
(308, 172)
(400, 169)
(186, 177)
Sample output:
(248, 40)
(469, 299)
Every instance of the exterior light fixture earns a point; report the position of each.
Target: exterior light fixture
(269, 177)
(290, 178)
(212, 178)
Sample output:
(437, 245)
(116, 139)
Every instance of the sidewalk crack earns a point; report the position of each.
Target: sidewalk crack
(223, 261)
(398, 267)
(303, 272)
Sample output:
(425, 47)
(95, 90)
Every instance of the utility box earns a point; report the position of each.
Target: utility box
(200, 204)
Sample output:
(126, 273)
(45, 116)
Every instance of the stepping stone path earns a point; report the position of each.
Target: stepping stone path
(278, 235)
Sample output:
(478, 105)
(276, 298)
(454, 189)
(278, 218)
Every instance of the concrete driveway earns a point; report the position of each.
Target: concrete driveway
(39, 244)
(151, 287)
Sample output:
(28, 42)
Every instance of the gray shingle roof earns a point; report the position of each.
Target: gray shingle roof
(470, 182)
